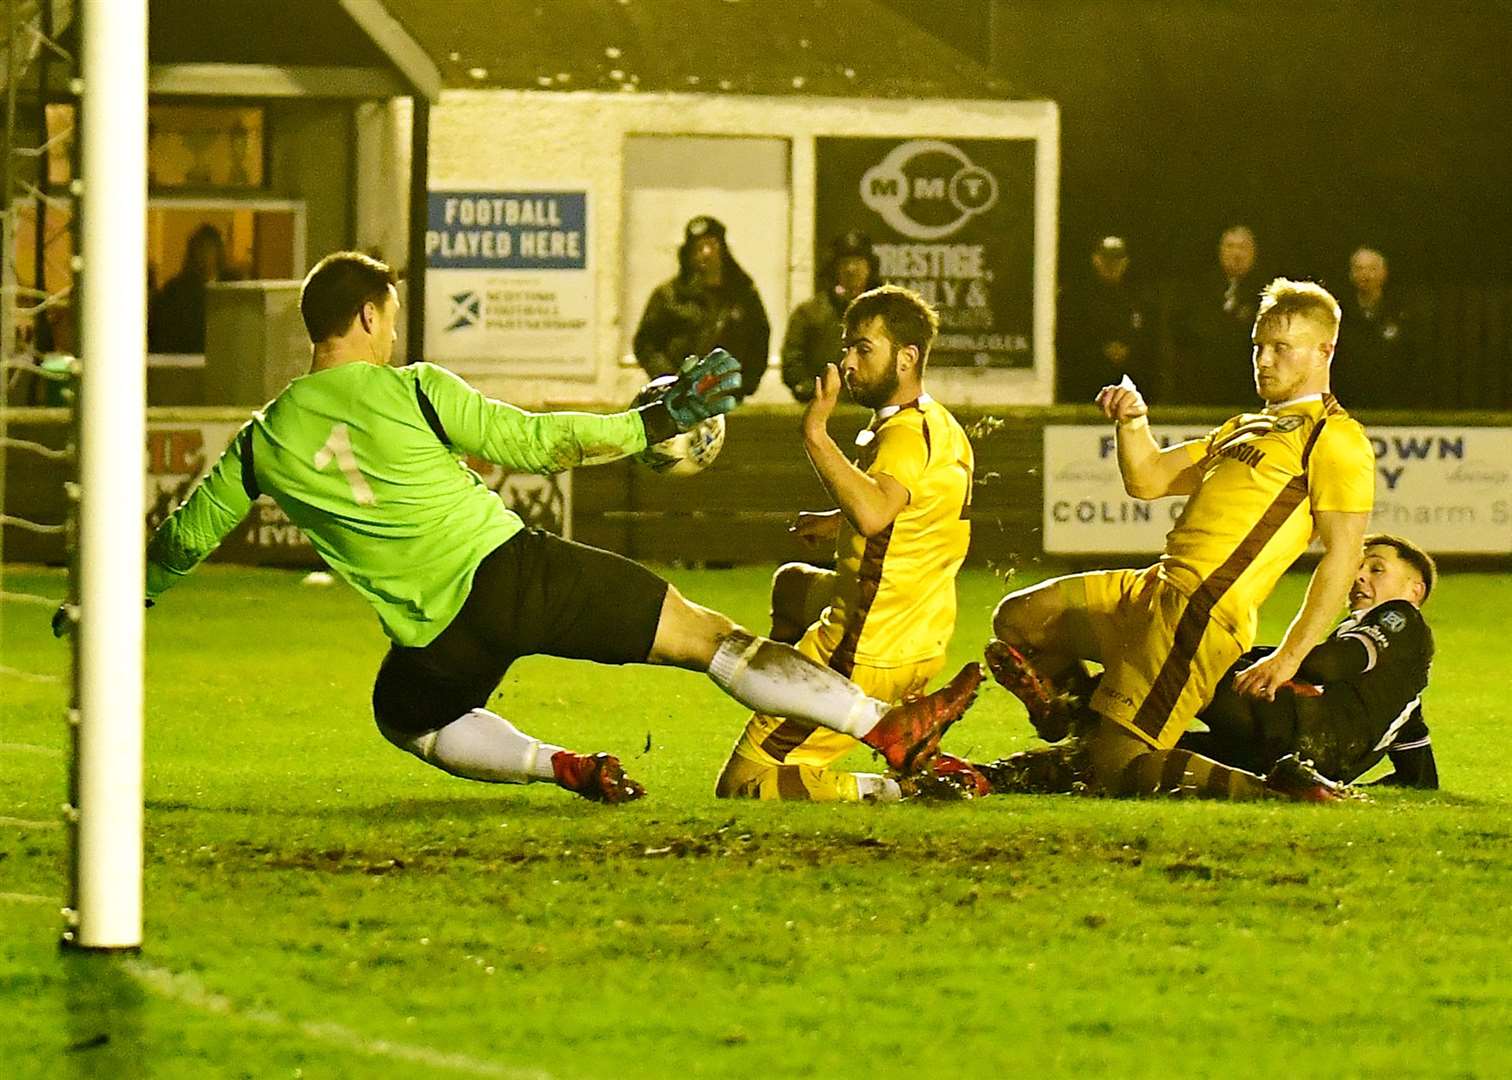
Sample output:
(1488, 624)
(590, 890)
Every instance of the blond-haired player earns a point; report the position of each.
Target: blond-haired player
(884, 616)
(1259, 488)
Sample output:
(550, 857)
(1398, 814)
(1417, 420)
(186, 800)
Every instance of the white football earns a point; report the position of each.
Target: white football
(689, 453)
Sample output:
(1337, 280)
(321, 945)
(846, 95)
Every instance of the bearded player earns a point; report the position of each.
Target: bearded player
(366, 459)
(884, 615)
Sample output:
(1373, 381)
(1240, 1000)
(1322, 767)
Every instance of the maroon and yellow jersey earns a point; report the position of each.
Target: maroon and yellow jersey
(1264, 476)
(894, 600)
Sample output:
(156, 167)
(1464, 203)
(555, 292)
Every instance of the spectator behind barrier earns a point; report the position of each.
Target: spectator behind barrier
(711, 303)
(1105, 328)
(1374, 367)
(176, 313)
(1214, 324)
(815, 327)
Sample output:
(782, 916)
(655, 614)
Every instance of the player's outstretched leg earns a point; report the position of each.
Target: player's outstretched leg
(1293, 778)
(909, 735)
(776, 679)
(481, 745)
(1049, 710)
(1123, 764)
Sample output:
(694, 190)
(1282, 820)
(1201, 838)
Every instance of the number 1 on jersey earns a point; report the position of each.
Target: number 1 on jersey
(338, 448)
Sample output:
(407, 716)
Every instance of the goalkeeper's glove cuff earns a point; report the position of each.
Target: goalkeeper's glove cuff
(657, 420)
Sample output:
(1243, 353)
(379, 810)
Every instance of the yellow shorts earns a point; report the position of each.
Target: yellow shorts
(1162, 653)
(772, 740)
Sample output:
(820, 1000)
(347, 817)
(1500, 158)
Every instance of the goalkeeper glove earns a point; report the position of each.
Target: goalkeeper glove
(704, 388)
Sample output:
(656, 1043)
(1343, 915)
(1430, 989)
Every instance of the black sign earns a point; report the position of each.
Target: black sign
(951, 219)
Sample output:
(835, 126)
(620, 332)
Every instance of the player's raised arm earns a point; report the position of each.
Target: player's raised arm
(550, 442)
(216, 506)
(1148, 470)
(869, 503)
(1335, 660)
(1341, 533)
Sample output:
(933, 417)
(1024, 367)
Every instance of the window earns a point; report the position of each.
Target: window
(207, 221)
(189, 147)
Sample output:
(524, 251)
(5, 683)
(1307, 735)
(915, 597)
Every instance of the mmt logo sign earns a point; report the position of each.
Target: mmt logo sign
(927, 189)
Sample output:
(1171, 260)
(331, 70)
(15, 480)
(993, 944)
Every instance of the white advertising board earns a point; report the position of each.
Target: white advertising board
(1447, 488)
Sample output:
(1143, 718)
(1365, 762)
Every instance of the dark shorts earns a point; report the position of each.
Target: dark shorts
(1331, 731)
(535, 594)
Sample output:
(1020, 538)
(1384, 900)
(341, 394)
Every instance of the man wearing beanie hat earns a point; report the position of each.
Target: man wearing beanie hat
(1105, 328)
(711, 303)
(814, 328)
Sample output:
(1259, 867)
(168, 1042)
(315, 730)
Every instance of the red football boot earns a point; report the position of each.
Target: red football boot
(1049, 711)
(909, 735)
(596, 777)
(962, 773)
(1293, 778)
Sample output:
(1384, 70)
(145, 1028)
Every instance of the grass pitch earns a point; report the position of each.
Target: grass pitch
(321, 905)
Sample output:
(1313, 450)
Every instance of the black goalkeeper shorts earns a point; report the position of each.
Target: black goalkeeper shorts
(535, 594)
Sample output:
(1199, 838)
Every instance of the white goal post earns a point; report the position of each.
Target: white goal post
(106, 911)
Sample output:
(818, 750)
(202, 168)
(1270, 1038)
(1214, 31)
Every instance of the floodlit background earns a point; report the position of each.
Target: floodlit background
(320, 905)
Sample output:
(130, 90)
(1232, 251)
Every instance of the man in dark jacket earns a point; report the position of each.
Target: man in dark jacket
(1214, 325)
(1376, 366)
(1105, 332)
(814, 328)
(711, 303)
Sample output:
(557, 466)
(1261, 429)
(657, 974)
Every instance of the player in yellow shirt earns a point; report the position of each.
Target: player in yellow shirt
(1259, 488)
(884, 615)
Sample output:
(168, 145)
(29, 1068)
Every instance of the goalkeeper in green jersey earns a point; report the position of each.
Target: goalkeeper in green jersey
(366, 459)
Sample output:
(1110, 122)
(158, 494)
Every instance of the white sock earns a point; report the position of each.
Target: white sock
(481, 745)
(778, 680)
(874, 787)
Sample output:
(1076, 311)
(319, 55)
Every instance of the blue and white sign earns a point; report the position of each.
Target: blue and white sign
(509, 283)
(507, 230)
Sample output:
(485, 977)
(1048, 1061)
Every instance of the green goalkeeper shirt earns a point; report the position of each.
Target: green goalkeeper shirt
(366, 461)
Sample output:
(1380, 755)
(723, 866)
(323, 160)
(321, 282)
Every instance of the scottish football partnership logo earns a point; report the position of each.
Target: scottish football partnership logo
(466, 310)
(926, 189)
